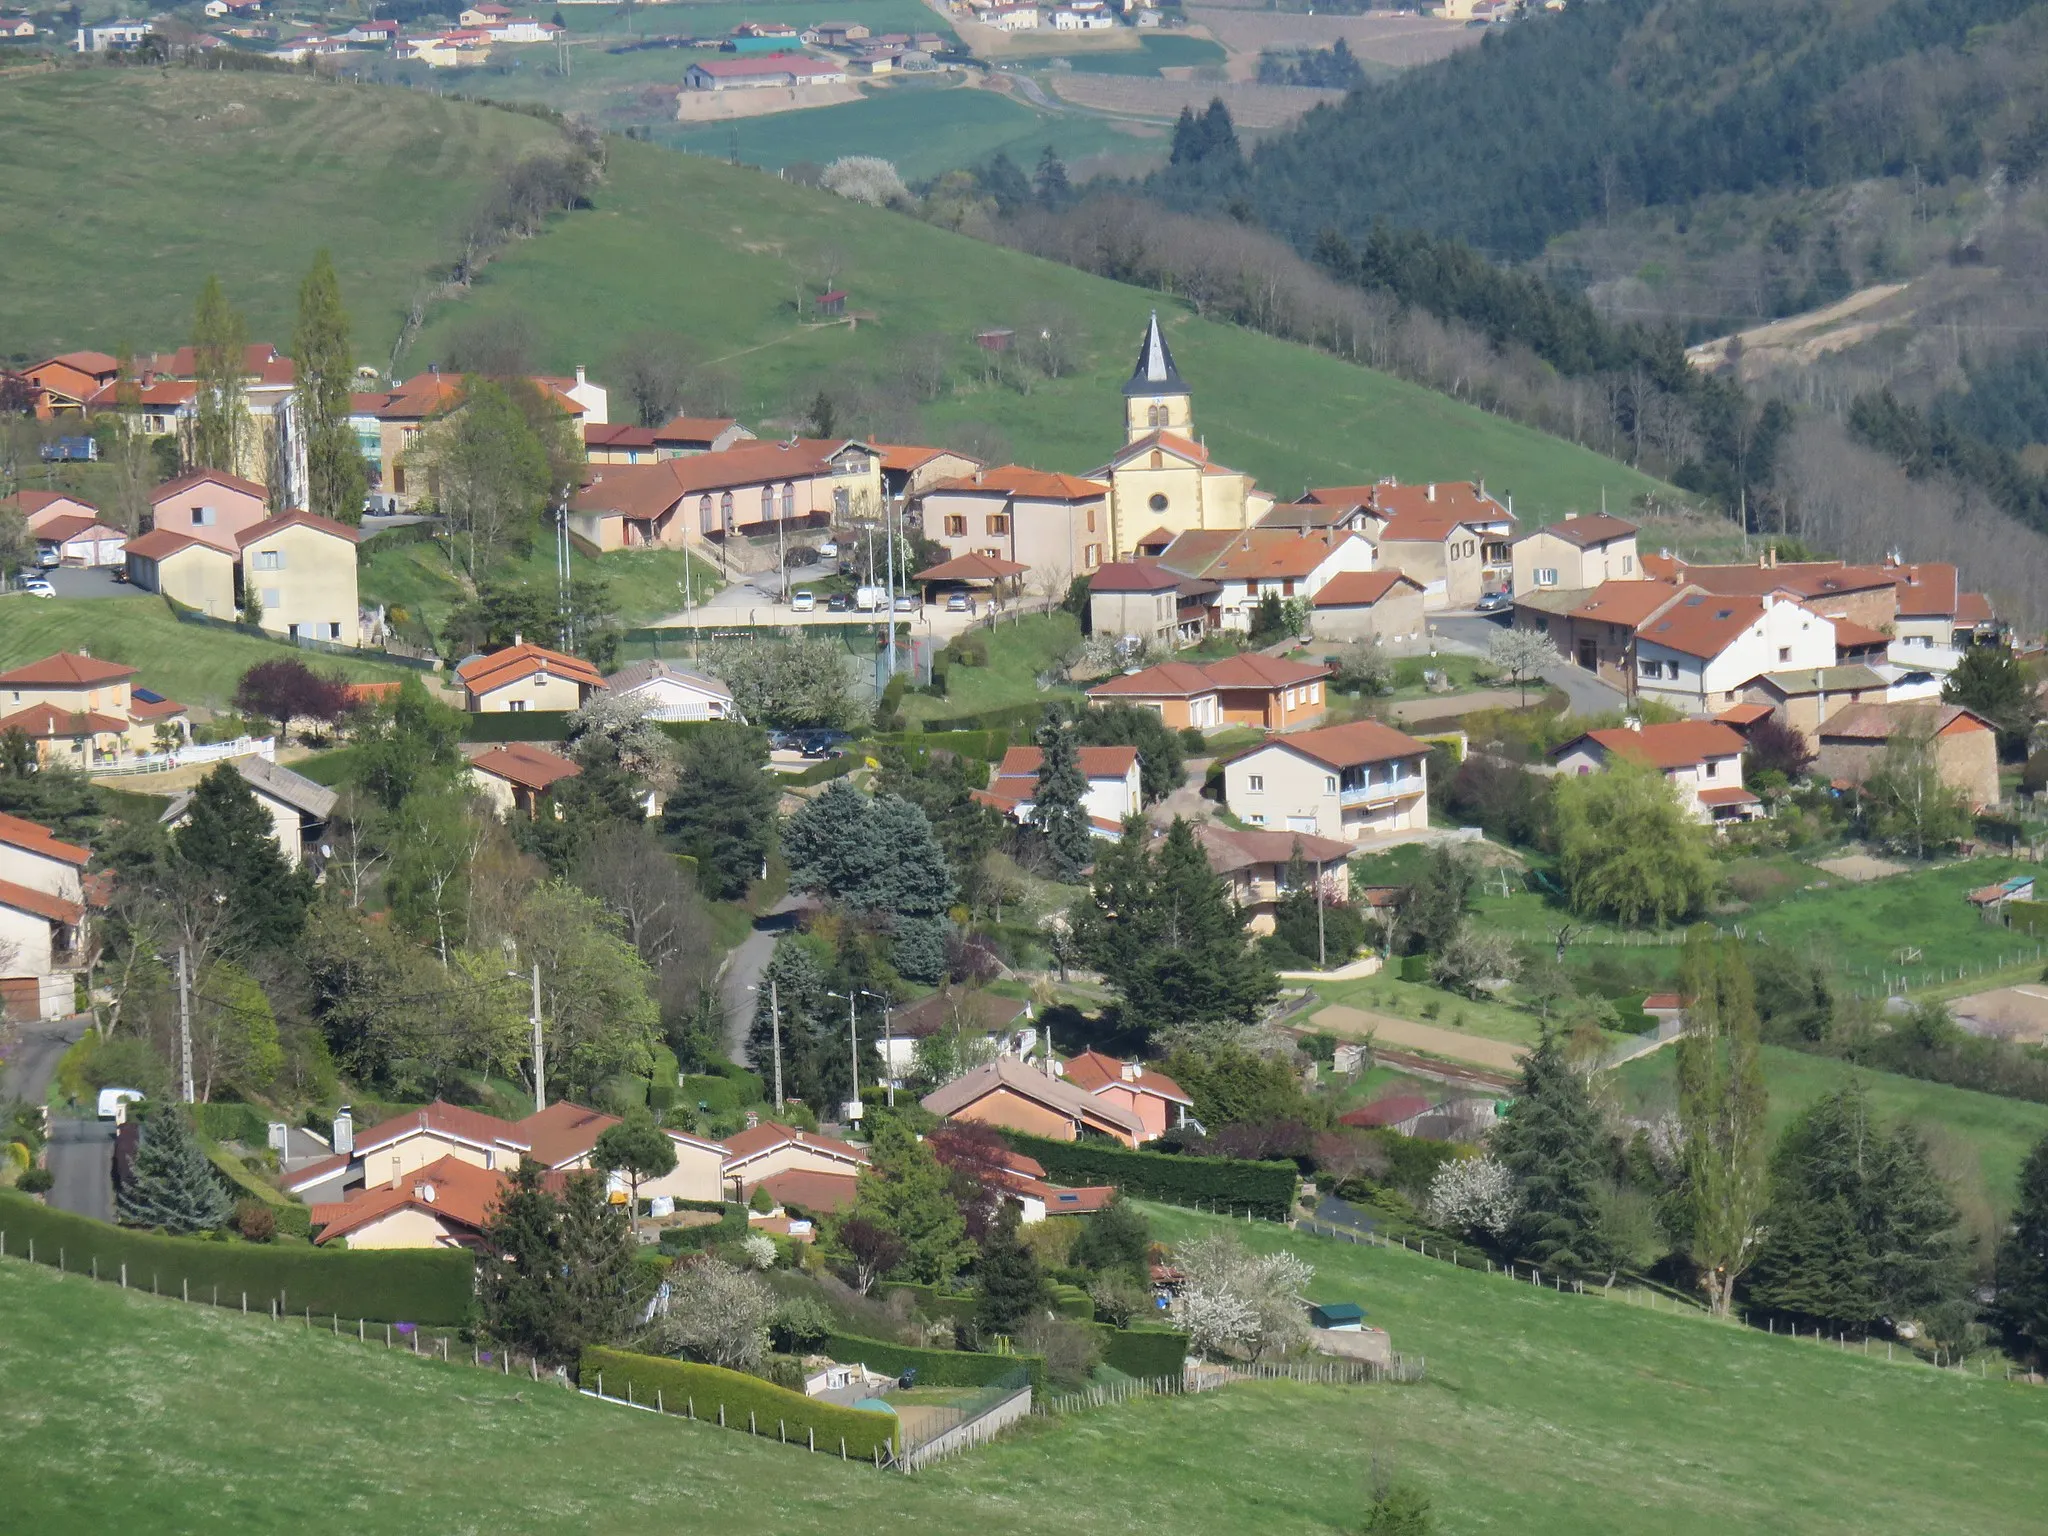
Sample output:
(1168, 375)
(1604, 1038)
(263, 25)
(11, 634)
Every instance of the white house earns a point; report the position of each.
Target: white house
(1253, 563)
(1698, 653)
(43, 920)
(1703, 758)
(1112, 793)
(672, 693)
(298, 808)
(111, 35)
(1353, 782)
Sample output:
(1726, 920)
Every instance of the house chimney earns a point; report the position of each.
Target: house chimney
(1045, 1034)
(518, 638)
(753, 1119)
(1132, 1072)
(1632, 722)
(344, 1131)
(1569, 516)
(580, 380)
(1430, 491)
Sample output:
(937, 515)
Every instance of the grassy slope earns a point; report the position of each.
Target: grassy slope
(645, 584)
(1542, 1414)
(1999, 1132)
(150, 183)
(192, 664)
(680, 243)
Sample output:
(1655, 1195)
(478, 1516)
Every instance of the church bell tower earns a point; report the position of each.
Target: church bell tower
(1156, 398)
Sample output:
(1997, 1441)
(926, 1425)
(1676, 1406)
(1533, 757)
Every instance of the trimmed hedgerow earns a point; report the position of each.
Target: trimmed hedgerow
(1234, 1184)
(934, 1367)
(730, 1227)
(680, 1387)
(413, 1285)
(1143, 1351)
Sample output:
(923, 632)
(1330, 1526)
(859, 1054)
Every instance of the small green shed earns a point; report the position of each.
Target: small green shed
(1347, 1315)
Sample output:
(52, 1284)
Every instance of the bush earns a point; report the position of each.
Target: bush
(255, 1221)
(933, 1302)
(231, 1122)
(1415, 967)
(1071, 1350)
(730, 1227)
(714, 1095)
(1143, 1351)
(681, 1387)
(934, 1367)
(391, 1285)
(1266, 1189)
(35, 1180)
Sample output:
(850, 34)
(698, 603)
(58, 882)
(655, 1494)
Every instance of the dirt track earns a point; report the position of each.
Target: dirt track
(1452, 1044)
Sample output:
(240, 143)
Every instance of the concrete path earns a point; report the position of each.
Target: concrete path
(33, 1062)
(1456, 1044)
(744, 968)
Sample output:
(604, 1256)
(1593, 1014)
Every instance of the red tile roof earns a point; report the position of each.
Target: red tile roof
(32, 837)
(563, 1132)
(1852, 636)
(1625, 602)
(1680, 744)
(1702, 623)
(1274, 553)
(41, 904)
(1740, 715)
(1972, 608)
(1416, 513)
(460, 1193)
(154, 709)
(912, 456)
(1347, 746)
(1133, 576)
(694, 429)
(809, 1189)
(1233, 848)
(1361, 589)
(1096, 762)
(62, 530)
(1391, 1110)
(1733, 794)
(30, 503)
(524, 764)
(617, 434)
(747, 1145)
(1008, 1075)
(483, 674)
(66, 669)
(972, 568)
(1877, 722)
(44, 722)
(162, 543)
(197, 477)
(1598, 528)
(1093, 1072)
(1186, 679)
(439, 1118)
(1016, 480)
(1255, 669)
(1926, 591)
(296, 517)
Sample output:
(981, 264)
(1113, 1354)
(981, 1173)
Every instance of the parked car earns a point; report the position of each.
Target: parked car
(1495, 602)
(838, 602)
(907, 604)
(959, 602)
(829, 549)
(35, 586)
(71, 450)
(803, 600)
(869, 599)
(846, 567)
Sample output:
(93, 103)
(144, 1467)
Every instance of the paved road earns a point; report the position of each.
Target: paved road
(35, 1058)
(1470, 632)
(81, 1156)
(743, 972)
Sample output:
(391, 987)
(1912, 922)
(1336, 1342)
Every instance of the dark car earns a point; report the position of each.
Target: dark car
(838, 602)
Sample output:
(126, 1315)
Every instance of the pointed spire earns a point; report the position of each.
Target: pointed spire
(1155, 373)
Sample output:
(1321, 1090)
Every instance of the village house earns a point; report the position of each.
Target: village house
(1348, 782)
(669, 692)
(681, 436)
(744, 491)
(67, 381)
(617, 443)
(519, 778)
(209, 506)
(302, 568)
(443, 1204)
(1057, 525)
(1386, 606)
(524, 677)
(1576, 553)
(1254, 689)
(299, 809)
(44, 918)
(1112, 793)
(1596, 629)
(1162, 479)
(563, 1137)
(1011, 1096)
(911, 469)
(186, 569)
(405, 412)
(1851, 744)
(1701, 758)
(84, 712)
(1449, 536)
(743, 72)
(1254, 563)
(1698, 653)
(1804, 698)
(1254, 864)
(405, 1144)
(1156, 1099)
(1024, 1185)
(167, 391)
(38, 509)
(80, 541)
(769, 1151)
(983, 1021)
(1143, 600)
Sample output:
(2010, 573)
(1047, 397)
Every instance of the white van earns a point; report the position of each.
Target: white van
(114, 1103)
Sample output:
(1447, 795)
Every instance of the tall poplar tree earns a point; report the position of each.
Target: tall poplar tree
(221, 430)
(1721, 1107)
(324, 369)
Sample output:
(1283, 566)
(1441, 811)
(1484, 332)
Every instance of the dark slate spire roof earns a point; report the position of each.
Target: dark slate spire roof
(1155, 373)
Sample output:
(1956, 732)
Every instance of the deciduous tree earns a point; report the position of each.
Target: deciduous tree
(1627, 849)
(906, 1190)
(1907, 803)
(1721, 1107)
(286, 689)
(222, 435)
(323, 376)
(1522, 654)
(637, 1148)
(717, 1313)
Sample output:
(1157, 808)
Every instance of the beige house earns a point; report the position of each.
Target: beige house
(748, 490)
(405, 1144)
(519, 778)
(1702, 759)
(43, 920)
(1578, 552)
(1269, 692)
(299, 809)
(187, 570)
(564, 1135)
(1254, 865)
(911, 469)
(525, 677)
(1806, 698)
(769, 1148)
(1162, 480)
(210, 506)
(1851, 745)
(1009, 1095)
(1369, 605)
(1057, 525)
(302, 567)
(446, 1203)
(1252, 564)
(1449, 536)
(1348, 782)
(1596, 630)
(84, 711)
(1146, 601)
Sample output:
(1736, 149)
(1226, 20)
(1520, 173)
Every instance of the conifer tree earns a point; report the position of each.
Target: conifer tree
(1721, 1106)
(601, 1300)
(2023, 1257)
(1551, 1143)
(1056, 808)
(324, 371)
(173, 1186)
(519, 1280)
(221, 431)
(1009, 1286)
(908, 1191)
(1050, 181)
(229, 845)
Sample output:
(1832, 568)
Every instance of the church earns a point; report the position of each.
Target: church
(1162, 482)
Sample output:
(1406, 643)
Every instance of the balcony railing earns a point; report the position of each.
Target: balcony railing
(1372, 794)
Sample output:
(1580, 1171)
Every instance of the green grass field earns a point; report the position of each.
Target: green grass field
(1017, 653)
(704, 18)
(1541, 1414)
(645, 584)
(187, 662)
(1994, 1134)
(924, 127)
(162, 176)
(1156, 53)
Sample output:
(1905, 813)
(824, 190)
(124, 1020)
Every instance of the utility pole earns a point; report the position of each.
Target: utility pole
(775, 1028)
(185, 1027)
(562, 573)
(540, 1059)
(889, 543)
(1322, 947)
(888, 1056)
(853, 1032)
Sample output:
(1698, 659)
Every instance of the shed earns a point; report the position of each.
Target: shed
(833, 303)
(1347, 1315)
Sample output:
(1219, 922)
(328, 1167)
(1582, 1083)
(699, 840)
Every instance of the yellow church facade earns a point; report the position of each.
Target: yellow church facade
(1162, 482)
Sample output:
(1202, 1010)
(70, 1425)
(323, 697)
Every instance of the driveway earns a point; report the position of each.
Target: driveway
(1430, 1039)
(34, 1060)
(1470, 634)
(744, 968)
(72, 581)
(81, 1158)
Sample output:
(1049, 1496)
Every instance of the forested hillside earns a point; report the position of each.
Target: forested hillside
(1614, 104)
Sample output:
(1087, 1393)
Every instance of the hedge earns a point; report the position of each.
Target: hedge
(717, 1095)
(825, 770)
(1265, 1189)
(1013, 717)
(1415, 968)
(1143, 1352)
(232, 1122)
(729, 1228)
(521, 725)
(1072, 1301)
(411, 1285)
(933, 1302)
(680, 1387)
(934, 1367)
(980, 746)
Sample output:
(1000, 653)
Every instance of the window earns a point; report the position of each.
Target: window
(1091, 519)
(271, 599)
(999, 522)
(956, 527)
(1329, 783)
(1628, 563)
(1287, 588)
(517, 706)
(1784, 653)
(704, 521)
(334, 630)
(1257, 818)
(1290, 698)
(1092, 556)
(1155, 415)
(1255, 783)
(842, 499)
(1158, 502)
(725, 508)
(268, 560)
(1547, 576)
(1713, 769)
(398, 479)
(202, 517)
(767, 503)
(1314, 693)
(993, 554)
(1158, 459)
(788, 500)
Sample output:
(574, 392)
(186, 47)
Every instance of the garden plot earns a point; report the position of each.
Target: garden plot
(2005, 1013)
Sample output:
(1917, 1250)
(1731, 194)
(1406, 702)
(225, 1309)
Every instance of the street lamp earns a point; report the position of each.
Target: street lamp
(852, 1001)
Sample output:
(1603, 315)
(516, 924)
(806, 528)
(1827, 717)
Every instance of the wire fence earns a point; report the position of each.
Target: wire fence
(809, 1442)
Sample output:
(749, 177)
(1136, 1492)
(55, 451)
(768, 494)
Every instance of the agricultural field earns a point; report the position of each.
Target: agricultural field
(1156, 51)
(1548, 1413)
(187, 662)
(709, 18)
(1384, 43)
(247, 175)
(1251, 107)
